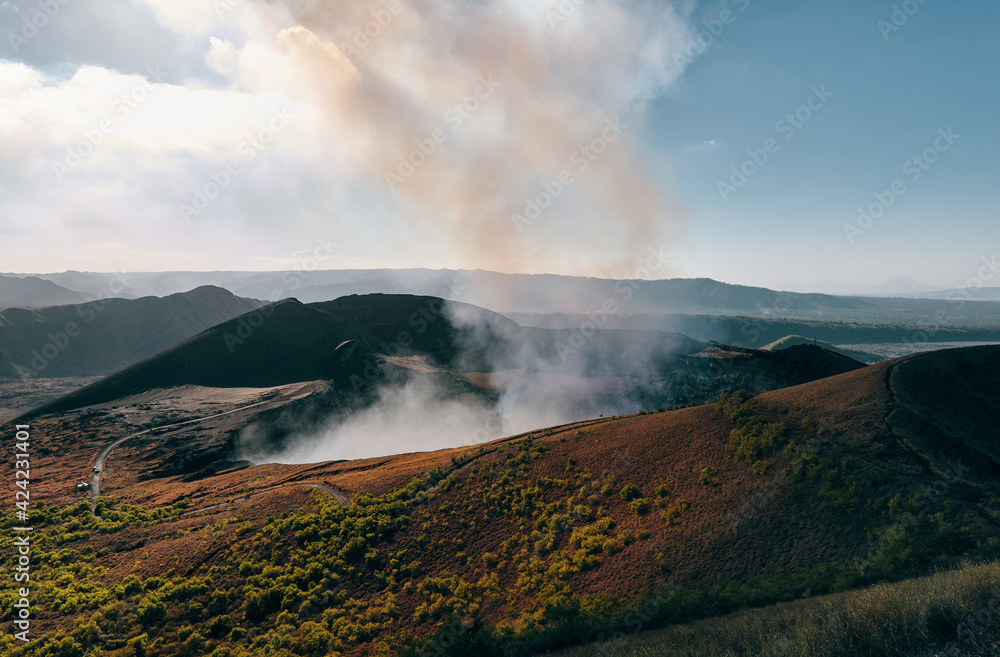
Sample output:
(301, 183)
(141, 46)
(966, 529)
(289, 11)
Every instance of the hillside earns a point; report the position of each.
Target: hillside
(560, 535)
(34, 292)
(795, 340)
(99, 337)
(290, 343)
(718, 369)
(890, 620)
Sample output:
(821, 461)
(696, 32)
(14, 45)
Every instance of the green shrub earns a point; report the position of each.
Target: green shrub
(219, 601)
(253, 606)
(756, 439)
(153, 583)
(630, 492)
(220, 625)
(315, 638)
(675, 511)
(151, 612)
(195, 610)
(640, 506)
(136, 646)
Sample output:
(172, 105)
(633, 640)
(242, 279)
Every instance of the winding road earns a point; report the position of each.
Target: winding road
(98, 467)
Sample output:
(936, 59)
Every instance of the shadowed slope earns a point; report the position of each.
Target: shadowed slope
(282, 343)
(99, 337)
(34, 292)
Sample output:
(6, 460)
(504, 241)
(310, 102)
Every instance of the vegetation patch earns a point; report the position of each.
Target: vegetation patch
(754, 438)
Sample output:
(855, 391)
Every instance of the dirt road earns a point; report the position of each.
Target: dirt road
(98, 467)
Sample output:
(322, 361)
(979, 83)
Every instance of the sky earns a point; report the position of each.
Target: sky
(761, 143)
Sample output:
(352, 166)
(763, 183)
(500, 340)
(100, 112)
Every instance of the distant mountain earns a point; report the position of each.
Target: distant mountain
(701, 308)
(34, 292)
(705, 293)
(497, 291)
(836, 288)
(99, 337)
(902, 285)
(755, 331)
(131, 285)
(959, 294)
(795, 340)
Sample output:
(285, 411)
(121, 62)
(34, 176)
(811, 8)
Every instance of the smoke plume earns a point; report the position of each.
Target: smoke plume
(503, 131)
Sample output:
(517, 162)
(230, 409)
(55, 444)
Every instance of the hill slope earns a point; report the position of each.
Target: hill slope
(34, 292)
(795, 340)
(102, 336)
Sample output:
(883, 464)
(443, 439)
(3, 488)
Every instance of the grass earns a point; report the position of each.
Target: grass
(949, 613)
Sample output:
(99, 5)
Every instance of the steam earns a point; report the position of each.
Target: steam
(424, 415)
(537, 378)
(419, 415)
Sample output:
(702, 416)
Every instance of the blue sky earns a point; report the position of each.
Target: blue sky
(785, 226)
(540, 80)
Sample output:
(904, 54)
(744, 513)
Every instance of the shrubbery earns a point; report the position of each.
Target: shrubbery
(630, 492)
(639, 505)
(674, 511)
(754, 438)
(707, 477)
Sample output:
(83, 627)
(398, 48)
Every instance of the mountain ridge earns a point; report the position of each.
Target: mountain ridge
(34, 292)
(99, 337)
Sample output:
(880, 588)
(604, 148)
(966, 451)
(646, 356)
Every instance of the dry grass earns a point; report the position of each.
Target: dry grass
(914, 618)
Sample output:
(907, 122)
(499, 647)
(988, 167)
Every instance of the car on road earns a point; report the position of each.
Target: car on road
(96, 470)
